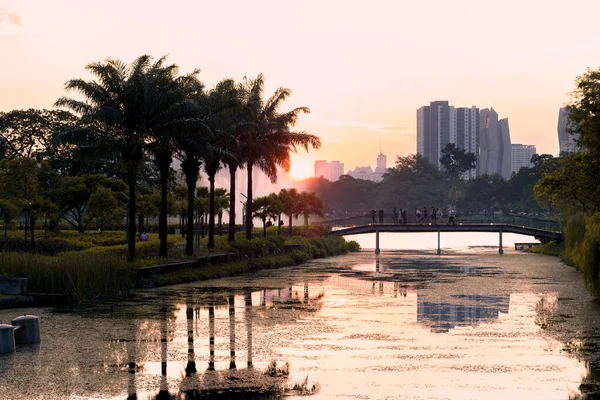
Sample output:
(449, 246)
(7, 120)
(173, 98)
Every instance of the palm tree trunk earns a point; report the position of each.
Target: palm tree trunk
(191, 170)
(164, 165)
(211, 212)
(249, 204)
(290, 224)
(231, 231)
(264, 228)
(131, 227)
(32, 224)
(279, 224)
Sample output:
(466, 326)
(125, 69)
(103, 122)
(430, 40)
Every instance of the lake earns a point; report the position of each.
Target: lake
(407, 324)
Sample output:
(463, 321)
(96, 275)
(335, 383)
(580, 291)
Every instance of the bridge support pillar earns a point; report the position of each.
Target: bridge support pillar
(439, 250)
(500, 250)
(377, 241)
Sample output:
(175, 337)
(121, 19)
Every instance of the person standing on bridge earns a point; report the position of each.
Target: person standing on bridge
(451, 217)
(373, 212)
(395, 215)
(381, 215)
(425, 214)
(404, 217)
(418, 216)
(433, 215)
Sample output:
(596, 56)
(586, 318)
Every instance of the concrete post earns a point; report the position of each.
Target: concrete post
(500, 247)
(439, 250)
(377, 241)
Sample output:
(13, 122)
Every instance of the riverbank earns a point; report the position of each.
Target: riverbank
(557, 249)
(98, 273)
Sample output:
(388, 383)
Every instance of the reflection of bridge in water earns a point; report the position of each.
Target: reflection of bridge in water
(544, 231)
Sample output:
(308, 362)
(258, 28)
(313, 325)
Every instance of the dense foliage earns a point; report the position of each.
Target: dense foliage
(573, 185)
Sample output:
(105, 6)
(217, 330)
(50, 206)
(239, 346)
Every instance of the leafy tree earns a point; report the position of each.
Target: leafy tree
(30, 133)
(8, 212)
(456, 161)
(19, 184)
(104, 206)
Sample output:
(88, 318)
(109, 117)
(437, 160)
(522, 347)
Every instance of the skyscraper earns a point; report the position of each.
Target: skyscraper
(329, 170)
(495, 152)
(467, 134)
(566, 141)
(434, 130)
(504, 167)
(521, 156)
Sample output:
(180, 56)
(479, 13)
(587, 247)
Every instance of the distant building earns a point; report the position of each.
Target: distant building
(434, 130)
(467, 133)
(566, 142)
(521, 156)
(381, 163)
(329, 170)
(367, 173)
(495, 152)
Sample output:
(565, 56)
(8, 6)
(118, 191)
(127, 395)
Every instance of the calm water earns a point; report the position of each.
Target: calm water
(408, 324)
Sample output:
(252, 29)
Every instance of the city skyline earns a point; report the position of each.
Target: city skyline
(359, 83)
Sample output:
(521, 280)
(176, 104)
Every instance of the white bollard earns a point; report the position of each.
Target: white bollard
(7, 339)
(28, 329)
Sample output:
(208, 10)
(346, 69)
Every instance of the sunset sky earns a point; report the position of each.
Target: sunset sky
(363, 68)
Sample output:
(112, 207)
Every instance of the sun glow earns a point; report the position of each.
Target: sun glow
(301, 169)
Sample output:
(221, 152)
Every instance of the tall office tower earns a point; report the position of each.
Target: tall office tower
(435, 128)
(381, 163)
(566, 141)
(330, 171)
(504, 166)
(321, 169)
(336, 169)
(521, 156)
(495, 152)
(488, 142)
(467, 134)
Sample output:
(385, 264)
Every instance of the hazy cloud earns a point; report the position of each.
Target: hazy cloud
(371, 127)
(9, 17)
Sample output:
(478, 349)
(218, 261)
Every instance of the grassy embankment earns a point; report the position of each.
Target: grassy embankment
(92, 266)
(581, 247)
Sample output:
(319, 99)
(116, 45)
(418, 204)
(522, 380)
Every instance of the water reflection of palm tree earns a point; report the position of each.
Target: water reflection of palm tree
(190, 368)
(248, 312)
(164, 388)
(211, 332)
(130, 346)
(231, 301)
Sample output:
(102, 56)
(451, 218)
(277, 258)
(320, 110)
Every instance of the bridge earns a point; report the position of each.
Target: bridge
(542, 230)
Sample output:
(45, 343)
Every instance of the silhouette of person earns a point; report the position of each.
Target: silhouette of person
(373, 212)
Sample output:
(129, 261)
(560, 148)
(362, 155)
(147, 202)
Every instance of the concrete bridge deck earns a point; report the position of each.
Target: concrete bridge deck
(540, 234)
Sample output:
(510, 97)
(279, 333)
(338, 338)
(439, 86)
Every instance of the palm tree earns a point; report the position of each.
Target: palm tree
(267, 140)
(276, 208)
(309, 203)
(219, 102)
(125, 108)
(290, 199)
(174, 99)
(262, 211)
(221, 204)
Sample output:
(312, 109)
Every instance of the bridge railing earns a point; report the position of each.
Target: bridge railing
(365, 219)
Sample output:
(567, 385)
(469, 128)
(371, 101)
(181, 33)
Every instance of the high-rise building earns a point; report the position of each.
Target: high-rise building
(495, 151)
(467, 133)
(440, 123)
(521, 156)
(434, 129)
(504, 166)
(566, 142)
(381, 163)
(329, 170)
